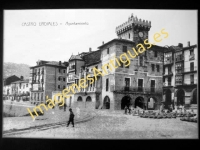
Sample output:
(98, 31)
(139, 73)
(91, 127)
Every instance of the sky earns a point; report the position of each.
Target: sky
(24, 43)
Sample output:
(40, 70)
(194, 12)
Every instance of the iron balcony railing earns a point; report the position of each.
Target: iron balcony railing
(137, 89)
(190, 69)
(167, 84)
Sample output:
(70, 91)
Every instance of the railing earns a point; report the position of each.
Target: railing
(168, 61)
(167, 84)
(137, 89)
(191, 57)
(178, 82)
(168, 73)
(179, 70)
(190, 69)
(189, 82)
(179, 58)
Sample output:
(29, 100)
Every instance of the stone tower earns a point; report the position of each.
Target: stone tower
(134, 29)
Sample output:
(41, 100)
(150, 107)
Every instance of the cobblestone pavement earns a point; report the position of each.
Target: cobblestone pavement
(116, 125)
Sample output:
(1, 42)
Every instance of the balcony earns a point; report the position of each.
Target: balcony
(191, 57)
(190, 70)
(190, 82)
(168, 61)
(179, 70)
(179, 58)
(166, 84)
(168, 74)
(178, 82)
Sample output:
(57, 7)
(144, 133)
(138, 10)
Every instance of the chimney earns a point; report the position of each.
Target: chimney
(60, 63)
(102, 42)
(180, 45)
(90, 49)
(21, 77)
(188, 43)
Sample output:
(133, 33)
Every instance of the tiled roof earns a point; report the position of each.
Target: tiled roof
(75, 57)
(92, 58)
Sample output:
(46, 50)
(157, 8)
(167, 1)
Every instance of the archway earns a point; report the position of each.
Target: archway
(139, 101)
(151, 103)
(88, 99)
(168, 99)
(79, 99)
(194, 97)
(180, 97)
(106, 103)
(125, 101)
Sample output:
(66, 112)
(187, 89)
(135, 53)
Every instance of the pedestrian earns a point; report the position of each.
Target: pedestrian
(71, 117)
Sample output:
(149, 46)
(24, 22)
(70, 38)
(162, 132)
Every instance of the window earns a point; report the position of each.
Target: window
(63, 79)
(192, 52)
(140, 85)
(158, 68)
(192, 66)
(169, 81)
(59, 78)
(107, 84)
(59, 70)
(126, 65)
(192, 79)
(127, 84)
(155, 54)
(80, 99)
(26, 85)
(58, 86)
(107, 50)
(141, 60)
(129, 36)
(125, 49)
(63, 87)
(152, 67)
(64, 71)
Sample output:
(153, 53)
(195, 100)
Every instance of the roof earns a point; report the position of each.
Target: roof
(93, 57)
(188, 47)
(50, 63)
(22, 81)
(73, 57)
(117, 40)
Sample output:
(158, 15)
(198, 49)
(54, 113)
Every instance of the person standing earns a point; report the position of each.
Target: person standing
(71, 117)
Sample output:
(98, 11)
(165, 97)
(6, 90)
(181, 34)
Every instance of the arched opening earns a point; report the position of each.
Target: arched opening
(194, 97)
(125, 101)
(139, 101)
(180, 97)
(106, 103)
(168, 100)
(88, 99)
(152, 103)
(79, 99)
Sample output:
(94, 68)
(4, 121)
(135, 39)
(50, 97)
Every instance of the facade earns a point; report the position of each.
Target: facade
(89, 97)
(21, 90)
(7, 88)
(45, 77)
(180, 77)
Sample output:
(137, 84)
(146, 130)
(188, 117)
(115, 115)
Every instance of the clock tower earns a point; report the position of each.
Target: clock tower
(134, 29)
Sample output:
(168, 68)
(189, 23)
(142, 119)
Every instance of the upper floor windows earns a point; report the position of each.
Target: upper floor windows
(72, 66)
(124, 49)
(155, 54)
(152, 67)
(108, 50)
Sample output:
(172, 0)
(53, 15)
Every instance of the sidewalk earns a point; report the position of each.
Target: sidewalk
(50, 117)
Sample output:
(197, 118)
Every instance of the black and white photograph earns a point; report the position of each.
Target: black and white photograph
(100, 74)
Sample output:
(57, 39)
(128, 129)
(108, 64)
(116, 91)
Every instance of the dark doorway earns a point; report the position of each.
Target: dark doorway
(106, 103)
(180, 97)
(194, 97)
(168, 100)
(125, 101)
(139, 101)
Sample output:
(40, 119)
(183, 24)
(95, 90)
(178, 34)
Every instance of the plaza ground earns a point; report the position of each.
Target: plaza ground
(116, 125)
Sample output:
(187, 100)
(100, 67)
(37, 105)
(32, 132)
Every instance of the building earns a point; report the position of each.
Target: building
(7, 88)
(89, 97)
(21, 90)
(45, 77)
(180, 77)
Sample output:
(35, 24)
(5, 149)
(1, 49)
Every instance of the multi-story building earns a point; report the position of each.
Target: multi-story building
(21, 90)
(180, 76)
(45, 77)
(7, 88)
(140, 83)
(90, 96)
